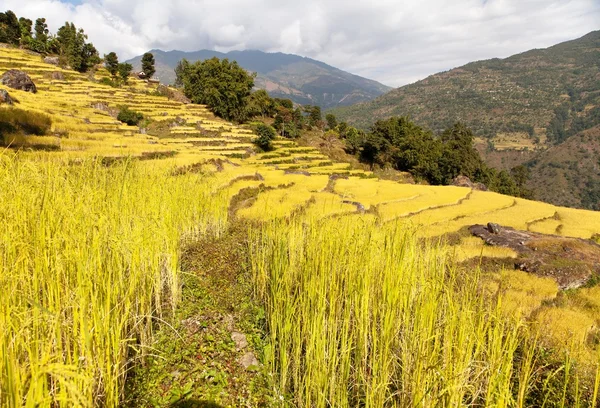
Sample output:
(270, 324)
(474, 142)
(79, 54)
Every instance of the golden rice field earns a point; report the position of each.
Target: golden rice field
(361, 309)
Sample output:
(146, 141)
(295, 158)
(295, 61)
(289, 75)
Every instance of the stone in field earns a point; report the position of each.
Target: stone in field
(248, 360)
(51, 60)
(18, 80)
(5, 97)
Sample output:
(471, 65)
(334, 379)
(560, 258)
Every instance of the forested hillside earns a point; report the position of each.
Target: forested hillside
(553, 92)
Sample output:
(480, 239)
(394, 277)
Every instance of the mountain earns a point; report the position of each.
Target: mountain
(301, 79)
(556, 88)
(568, 174)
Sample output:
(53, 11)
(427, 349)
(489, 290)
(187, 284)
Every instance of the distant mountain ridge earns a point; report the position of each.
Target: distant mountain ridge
(301, 79)
(519, 93)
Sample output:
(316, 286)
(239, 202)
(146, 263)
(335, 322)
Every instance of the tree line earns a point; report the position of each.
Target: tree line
(69, 43)
(396, 142)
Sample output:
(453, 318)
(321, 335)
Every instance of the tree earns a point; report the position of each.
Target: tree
(459, 157)
(180, 70)
(314, 115)
(265, 134)
(148, 65)
(260, 104)
(354, 140)
(222, 85)
(25, 25)
(283, 119)
(124, 70)
(331, 121)
(72, 47)
(10, 29)
(41, 30)
(111, 62)
(129, 117)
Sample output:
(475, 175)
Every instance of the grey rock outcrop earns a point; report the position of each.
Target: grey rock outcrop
(51, 60)
(18, 80)
(5, 97)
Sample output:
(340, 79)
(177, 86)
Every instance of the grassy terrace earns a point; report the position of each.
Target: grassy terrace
(363, 298)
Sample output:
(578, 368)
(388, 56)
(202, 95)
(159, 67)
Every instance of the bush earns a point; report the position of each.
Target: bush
(265, 134)
(14, 120)
(129, 117)
(109, 82)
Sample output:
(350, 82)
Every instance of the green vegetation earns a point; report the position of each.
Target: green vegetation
(303, 80)
(405, 146)
(265, 136)
(70, 43)
(554, 88)
(222, 85)
(129, 117)
(111, 63)
(124, 70)
(148, 65)
(10, 29)
(72, 46)
(16, 124)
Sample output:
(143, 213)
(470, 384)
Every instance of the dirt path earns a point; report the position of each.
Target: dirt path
(207, 355)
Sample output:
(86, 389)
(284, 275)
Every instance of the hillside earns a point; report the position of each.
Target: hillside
(303, 80)
(569, 174)
(173, 264)
(558, 87)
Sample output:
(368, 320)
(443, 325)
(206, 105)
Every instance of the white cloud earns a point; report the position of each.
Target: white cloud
(393, 42)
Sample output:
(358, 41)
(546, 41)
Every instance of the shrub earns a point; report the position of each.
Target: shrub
(14, 120)
(109, 82)
(128, 116)
(265, 134)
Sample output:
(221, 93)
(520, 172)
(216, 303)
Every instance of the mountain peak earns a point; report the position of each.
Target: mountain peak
(301, 79)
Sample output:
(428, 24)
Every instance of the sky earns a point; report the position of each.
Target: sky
(394, 42)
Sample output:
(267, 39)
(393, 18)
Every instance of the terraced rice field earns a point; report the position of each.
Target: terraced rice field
(299, 194)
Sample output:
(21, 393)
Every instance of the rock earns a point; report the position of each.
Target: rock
(248, 360)
(480, 187)
(228, 321)
(51, 60)
(571, 262)
(464, 181)
(18, 80)
(103, 106)
(494, 228)
(58, 76)
(240, 340)
(5, 97)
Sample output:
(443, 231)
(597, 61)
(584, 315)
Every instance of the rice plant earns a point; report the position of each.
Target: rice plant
(88, 262)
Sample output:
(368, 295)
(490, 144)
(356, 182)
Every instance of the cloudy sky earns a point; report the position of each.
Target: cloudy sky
(392, 41)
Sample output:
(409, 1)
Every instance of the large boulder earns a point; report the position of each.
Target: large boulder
(57, 76)
(5, 97)
(18, 80)
(464, 181)
(51, 60)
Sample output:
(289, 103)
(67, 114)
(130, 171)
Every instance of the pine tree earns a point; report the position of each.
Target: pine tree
(111, 62)
(10, 29)
(148, 65)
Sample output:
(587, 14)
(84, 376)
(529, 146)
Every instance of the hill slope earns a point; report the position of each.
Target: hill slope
(524, 92)
(569, 174)
(304, 80)
(91, 255)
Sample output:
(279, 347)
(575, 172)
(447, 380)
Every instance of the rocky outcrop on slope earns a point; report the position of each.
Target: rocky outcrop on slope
(571, 262)
(19, 80)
